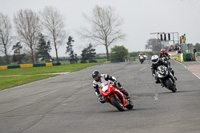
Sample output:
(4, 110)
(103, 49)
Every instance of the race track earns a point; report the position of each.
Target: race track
(67, 103)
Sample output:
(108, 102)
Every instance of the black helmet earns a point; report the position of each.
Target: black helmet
(96, 75)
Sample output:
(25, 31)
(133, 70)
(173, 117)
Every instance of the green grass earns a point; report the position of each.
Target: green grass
(68, 62)
(36, 73)
(43, 70)
(8, 82)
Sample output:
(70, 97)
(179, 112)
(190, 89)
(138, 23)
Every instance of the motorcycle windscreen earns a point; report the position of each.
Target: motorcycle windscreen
(105, 86)
(162, 71)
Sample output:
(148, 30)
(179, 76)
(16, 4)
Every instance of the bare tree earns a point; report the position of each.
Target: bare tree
(105, 27)
(5, 35)
(28, 28)
(53, 22)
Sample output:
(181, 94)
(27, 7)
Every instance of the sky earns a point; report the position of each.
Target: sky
(141, 17)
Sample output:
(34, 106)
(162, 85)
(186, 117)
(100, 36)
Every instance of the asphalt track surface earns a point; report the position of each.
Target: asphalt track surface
(67, 103)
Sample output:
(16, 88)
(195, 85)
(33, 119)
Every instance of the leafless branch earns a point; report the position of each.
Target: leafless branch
(5, 37)
(105, 27)
(28, 28)
(53, 22)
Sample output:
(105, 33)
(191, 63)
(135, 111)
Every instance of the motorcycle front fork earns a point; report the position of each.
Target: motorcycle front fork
(172, 76)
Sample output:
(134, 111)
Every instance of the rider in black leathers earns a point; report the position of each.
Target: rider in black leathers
(157, 62)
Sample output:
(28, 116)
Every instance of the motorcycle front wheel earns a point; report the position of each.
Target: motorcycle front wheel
(117, 104)
(130, 106)
(170, 85)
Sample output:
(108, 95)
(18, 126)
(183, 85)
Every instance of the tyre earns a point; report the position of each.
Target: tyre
(130, 106)
(117, 104)
(170, 85)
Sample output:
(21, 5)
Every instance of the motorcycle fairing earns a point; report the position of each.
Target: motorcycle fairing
(109, 91)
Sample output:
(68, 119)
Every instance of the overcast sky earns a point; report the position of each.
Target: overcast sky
(141, 17)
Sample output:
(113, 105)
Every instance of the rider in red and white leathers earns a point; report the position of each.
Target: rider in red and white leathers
(100, 78)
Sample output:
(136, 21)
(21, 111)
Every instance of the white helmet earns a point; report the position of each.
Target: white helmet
(154, 59)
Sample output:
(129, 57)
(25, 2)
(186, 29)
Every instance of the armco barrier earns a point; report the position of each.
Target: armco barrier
(38, 65)
(49, 64)
(29, 65)
(26, 65)
(3, 67)
(15, 66)
(57, 64)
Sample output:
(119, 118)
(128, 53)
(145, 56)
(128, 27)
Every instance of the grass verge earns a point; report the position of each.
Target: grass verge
(8, 82)
(50, 69)
(27, 75)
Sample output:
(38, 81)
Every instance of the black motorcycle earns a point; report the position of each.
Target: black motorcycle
(166, 78)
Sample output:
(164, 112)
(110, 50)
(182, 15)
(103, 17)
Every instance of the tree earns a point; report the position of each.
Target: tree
(91, 53)
(119, 53)
(197, 47)
(105, 28)
(5, 36)
(53, 22)
(43, 48)
(2, 61)
(73, 57)
(88, 54)
(28, 28)
(154, 45)
(84, 56)
(17, 53)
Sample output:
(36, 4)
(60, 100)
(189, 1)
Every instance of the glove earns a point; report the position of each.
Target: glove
(102, 99)
(153, 75)
(115, 82)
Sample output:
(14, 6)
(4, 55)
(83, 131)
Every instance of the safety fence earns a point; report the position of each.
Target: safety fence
(186, 57)
(29, 65)
(179, 57)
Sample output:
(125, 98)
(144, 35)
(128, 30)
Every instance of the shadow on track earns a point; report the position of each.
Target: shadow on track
(189, 91)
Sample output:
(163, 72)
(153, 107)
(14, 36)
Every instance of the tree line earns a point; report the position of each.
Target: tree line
(37, 33)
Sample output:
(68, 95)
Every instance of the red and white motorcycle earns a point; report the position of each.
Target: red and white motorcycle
(115, 96)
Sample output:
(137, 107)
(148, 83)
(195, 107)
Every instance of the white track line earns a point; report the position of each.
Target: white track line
(187, 69)
(142, 68)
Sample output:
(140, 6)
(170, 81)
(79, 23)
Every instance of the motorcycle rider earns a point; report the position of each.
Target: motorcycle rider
(141, 55)
(99, 78)
(157, 62)
(164, 54)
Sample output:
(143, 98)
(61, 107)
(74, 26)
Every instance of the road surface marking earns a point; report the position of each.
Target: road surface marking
(187, 69)
(156, 97)
(142, 68)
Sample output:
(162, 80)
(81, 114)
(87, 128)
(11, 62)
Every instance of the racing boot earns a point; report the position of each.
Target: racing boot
(175, 78)
(157, 81)
(162, 85)
(124, 92)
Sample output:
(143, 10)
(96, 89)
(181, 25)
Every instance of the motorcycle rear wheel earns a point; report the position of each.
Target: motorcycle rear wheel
(117, 104)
